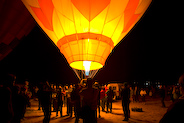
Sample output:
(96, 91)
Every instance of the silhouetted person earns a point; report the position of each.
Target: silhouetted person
(39, 96)
(170, 93)
(69, 103)
(60, 102)
(45, 100)
(125, 94)
(97, 86)
(162, 95)
(110, 95)
(135, 95)
(6, 110)
(174, 113)
(89, 102)
(102, 98)
(143, 94)
(176, 93)
(19, 104)
(75, 98)
(25, 100)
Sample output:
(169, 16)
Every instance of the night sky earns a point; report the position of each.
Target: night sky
(153, 51)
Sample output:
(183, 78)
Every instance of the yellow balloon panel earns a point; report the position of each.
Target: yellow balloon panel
(118, 31)
(67, 25)
(110, 27)
(86, 30)
(81, 23)
(57, 28)
(116, 8)
(97, 24)
(64, 7)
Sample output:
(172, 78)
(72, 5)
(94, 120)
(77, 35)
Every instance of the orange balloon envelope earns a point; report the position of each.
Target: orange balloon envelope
(86, 31)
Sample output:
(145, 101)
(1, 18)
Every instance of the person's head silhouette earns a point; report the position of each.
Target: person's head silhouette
(89, 83)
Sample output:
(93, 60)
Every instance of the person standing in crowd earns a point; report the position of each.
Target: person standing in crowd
(19, 102)
(54, 99)
(59, 102)
(150, 93)
(125, 94)
(6, 109)
(24, 98)
(106, 88)
(170, 93)
(135, 95)
(162, 95)
(143, 94)
(89, 97)
(64, 96)
(102, 98)
(69, 103)
(36, 92)
(174, 113)
(110, 96)
(98, 87)
(131, 93)
(39, 96)
(27, 92)
(75, 98)
(45, 99)
(175, 93)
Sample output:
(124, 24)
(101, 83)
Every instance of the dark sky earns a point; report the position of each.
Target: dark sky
(153, 51)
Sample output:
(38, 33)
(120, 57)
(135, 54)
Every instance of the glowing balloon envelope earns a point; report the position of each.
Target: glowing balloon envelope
(86, 31)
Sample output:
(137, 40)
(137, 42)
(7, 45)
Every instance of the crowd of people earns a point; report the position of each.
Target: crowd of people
(81, 99)
(14, 100)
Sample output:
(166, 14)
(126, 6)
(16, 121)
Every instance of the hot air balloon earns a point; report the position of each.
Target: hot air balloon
(86, 31)
(15, 23)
